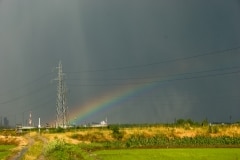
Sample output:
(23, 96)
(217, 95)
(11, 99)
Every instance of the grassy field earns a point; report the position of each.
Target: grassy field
(126, 142)
(170, 154)
(6, 150)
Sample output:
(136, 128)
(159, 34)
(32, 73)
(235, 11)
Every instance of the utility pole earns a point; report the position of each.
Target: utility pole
(23, 119)
(30, 119)
(61, 104)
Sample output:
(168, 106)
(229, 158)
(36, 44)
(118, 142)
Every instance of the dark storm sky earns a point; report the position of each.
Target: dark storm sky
(105, 45)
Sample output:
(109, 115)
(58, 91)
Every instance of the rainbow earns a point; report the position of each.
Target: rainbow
(121, 95)
(109, 100)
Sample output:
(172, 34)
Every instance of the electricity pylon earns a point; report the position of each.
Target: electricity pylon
(61, 104)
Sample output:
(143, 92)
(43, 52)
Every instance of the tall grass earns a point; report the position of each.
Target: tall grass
(163, 136)
(60, 150)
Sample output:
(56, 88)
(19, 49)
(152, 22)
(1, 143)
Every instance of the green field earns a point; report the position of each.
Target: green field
(136, 142)
(5, 150)
(171, 154)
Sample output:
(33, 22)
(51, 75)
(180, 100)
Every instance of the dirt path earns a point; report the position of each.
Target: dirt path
(30, 142)
(44, 140)
(20, 154)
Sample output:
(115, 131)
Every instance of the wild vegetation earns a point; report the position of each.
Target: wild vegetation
(88, 143)
(162, 136)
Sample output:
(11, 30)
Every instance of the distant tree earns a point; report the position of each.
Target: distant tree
(180, 122)
(205, 122)
(189, 121)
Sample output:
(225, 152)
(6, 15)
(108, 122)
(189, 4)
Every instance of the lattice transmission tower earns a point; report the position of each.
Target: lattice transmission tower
(61, 104)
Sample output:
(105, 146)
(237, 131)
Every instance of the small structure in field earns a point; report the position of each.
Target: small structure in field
(101, 124)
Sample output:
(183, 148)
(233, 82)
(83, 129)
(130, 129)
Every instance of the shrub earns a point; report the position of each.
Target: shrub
(116, 133)
(74, 136)
(60, 130)
(60, 150)
(56, 145)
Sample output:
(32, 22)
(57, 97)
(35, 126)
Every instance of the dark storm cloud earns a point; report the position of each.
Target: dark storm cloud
(107, 35)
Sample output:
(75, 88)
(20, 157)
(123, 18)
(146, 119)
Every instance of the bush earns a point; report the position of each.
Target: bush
(60, 150)
(74, 136)
(56, 145)
(116, 133)
(60, 130)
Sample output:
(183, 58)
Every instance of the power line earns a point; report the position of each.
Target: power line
(36, 106)
(27, 84)
(40, 99)
(203, 76)
(27, 94)
(161, 62)
(163, 76)
(174, 79)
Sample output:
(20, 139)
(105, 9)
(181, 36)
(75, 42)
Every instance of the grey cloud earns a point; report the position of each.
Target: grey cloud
(95, 35)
